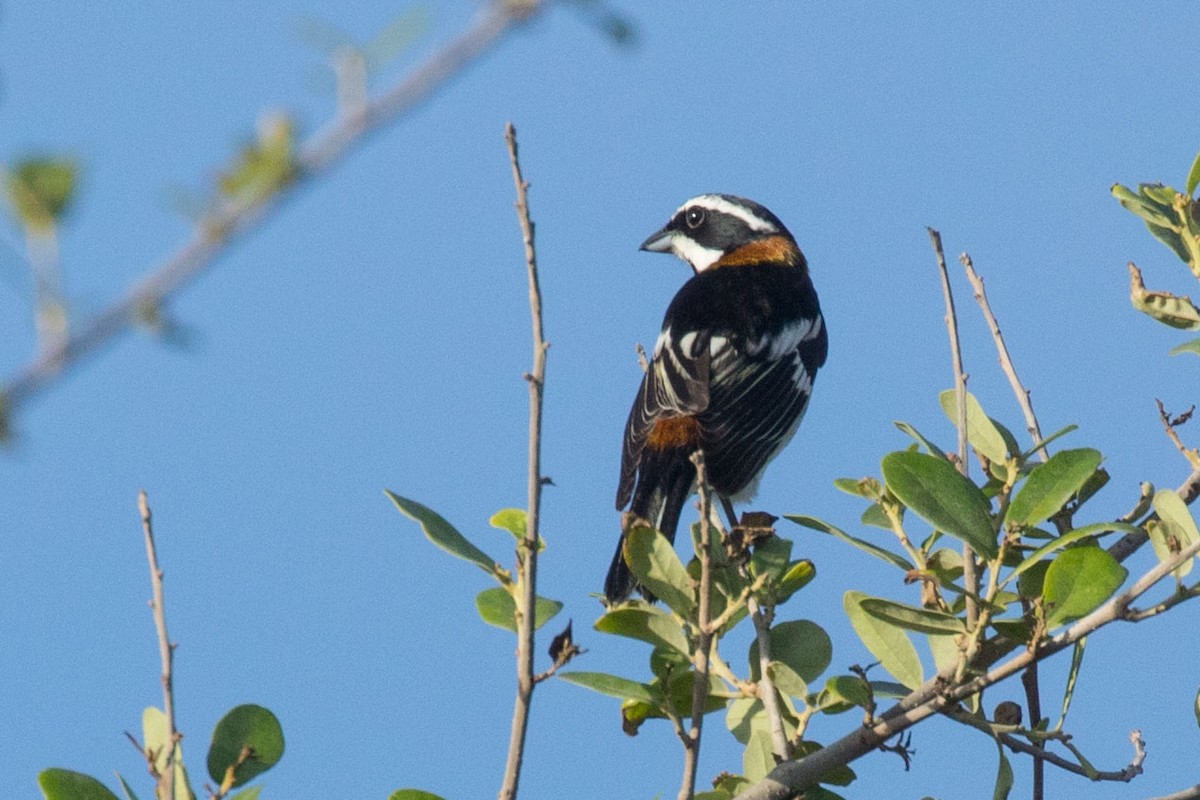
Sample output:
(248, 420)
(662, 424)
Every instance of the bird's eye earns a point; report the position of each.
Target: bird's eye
(694, 217)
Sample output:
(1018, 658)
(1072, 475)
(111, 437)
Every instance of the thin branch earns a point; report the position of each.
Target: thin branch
(1130, 543)
(939, 694)
(237, 217)
(1006, 363)
(1186, 794)
(970, 578)
(704, 634)
(766, 687)
(166, 653)
(1170, 424)
(1131, 771)
(527, 550)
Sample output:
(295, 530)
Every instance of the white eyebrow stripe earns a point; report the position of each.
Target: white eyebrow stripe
(714, 202)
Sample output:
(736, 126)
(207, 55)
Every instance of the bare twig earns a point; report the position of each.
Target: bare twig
(1170, 423)
(970, 578)
(527, 550)
(166, 653)
(704, 634)
(238, 216)
(1131, 771)
(1186, 794)
(940, 694)
(1006, 363)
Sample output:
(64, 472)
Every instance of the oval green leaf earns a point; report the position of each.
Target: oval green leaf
(413, 794)
(653, 560)
(1050, 485)
(886, 642)
(1070, 537)
(497, 607)
(249, 740)
(912, 618)
(514, 521)
(647, 624)
(63, 784)
(936, 491)
(982, 432)
(1176, 529)
(443, 534)
(802, 645)
(1078, 581)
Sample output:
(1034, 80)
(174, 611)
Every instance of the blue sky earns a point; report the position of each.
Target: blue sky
(373, 335)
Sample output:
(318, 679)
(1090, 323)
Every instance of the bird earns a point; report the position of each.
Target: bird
(731, 372)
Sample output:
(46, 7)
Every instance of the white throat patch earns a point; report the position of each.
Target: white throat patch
(700, 257)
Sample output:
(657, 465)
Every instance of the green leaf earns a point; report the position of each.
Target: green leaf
(653, 560)
(744, 715)
(443, 534)
(611, 685)
(787, 681)
(920, 438)
(944, 649)
(802, 645)
(1072, 677)
(1197, 708)
(982, 432)
(126, 789)
(936, 491)
(1070, 537)
(887, 643)
(1169, 309)
(1050, 485)
(759, 757)
(771, 557)
(868, 488)
(646, 623)
(250, 793)
(1193, 178)
(155, 736)
(514, 521)
(849, 690)
(912, 618)
(798, 575)
(1004, 775)
(413, 794)
(63, 784)
(1187, 347)
(1078, 581)
(497, 607)
(246, 729)
(40, 189)
(875, 550)
(1052, 437)
(1176, 530)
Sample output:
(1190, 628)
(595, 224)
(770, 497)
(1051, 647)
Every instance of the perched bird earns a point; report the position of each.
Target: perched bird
(731, 372)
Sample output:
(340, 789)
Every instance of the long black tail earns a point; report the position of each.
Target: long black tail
(664, 482)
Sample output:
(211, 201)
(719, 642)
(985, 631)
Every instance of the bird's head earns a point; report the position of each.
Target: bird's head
(717, 230)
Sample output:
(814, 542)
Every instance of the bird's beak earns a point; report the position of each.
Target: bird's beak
(659, 242)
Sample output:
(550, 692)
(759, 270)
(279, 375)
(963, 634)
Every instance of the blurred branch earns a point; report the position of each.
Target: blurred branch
(1186, 794)
(941, 693)
(527, 549)
(241, 213)
(166, 652)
